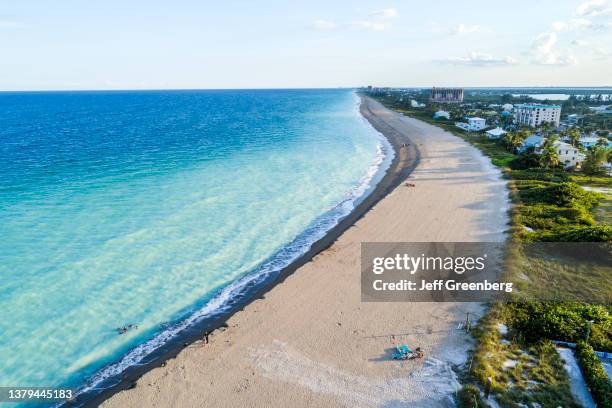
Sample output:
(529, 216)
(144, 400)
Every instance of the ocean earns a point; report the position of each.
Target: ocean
(157, 209)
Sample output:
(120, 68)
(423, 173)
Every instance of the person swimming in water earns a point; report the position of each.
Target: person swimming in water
(125, 329)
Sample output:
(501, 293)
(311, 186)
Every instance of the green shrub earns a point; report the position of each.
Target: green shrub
(540, 216)
(596, 233)
(469, 397)
(531, 184)
(561, 194)
(532, 321)
(594, 375)
(540, 174)
(525, 161)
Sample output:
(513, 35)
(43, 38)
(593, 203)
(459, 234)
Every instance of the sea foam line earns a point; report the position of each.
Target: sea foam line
(234, 291)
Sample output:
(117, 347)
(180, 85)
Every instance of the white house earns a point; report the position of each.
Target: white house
(534, 115)
(568, 155)
(415, 104)
(507, 107)
(441, 114)
(495, 133)
(472, 125)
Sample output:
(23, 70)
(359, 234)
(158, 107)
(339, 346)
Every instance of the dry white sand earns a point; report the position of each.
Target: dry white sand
(311, 342)
(578, 386)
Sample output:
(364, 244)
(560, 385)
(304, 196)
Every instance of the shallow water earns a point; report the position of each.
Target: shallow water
(154, 208)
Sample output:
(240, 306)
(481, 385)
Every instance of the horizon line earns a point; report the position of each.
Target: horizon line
(601, 87)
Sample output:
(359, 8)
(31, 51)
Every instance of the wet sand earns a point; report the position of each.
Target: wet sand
(310, 341)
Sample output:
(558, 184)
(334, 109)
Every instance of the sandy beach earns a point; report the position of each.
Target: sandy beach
(310, 341)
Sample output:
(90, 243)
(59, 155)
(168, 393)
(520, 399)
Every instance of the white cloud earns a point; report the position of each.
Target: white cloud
(594, 8)
(465, 29)
(576, 24)
(479, 59)
(324, 25)
(579, 43)
(372, 25)
(571, 25)
(387, 13)
(545, 52)
(380, 22)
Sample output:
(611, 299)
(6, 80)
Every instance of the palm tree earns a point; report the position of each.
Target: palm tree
(573, 134)
(548, 157)
(594, 161)
(546, 128)
(514, 140)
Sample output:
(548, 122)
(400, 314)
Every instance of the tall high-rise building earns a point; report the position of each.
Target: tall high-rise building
(446, 95)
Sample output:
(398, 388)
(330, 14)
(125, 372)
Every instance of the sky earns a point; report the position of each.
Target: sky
(61, 44)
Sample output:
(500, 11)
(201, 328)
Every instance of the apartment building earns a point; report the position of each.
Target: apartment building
(534, 115)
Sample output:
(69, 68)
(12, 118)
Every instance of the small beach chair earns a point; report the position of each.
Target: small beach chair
(404, 349)
(402, 352)
(398, 356)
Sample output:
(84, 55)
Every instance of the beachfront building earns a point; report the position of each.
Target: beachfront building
(534, 115)
(441, 114)
(472, 125)
(495, 133)
(416, 104)
(507, 107)
(568, 155)
(446, 95)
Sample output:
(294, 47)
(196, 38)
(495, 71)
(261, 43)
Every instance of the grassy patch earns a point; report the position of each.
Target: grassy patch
(469, 397)
(594, 181)
(603, 213)
(519, 372)
(539, 272)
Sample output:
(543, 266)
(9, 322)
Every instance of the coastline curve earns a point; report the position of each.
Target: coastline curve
(406, 157)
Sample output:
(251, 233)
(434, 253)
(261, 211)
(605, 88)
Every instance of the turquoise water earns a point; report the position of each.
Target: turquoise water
(155, 209)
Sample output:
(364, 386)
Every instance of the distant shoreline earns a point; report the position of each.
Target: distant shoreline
(404, 161)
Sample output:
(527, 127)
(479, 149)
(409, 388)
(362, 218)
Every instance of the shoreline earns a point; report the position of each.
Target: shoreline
(311, 341)
(404, 161)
